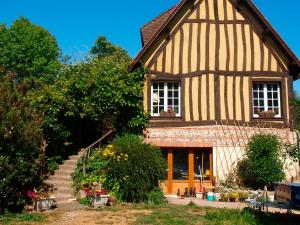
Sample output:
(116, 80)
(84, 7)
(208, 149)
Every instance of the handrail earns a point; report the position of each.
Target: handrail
(86, 151)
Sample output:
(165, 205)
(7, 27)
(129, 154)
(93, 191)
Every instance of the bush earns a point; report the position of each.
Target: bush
(129, 168)
(263, 164)
(133, 169)
(156, 196)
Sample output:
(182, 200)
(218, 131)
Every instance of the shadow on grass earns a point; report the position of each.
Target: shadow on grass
(249, 216)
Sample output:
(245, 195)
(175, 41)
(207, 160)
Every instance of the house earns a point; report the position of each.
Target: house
(217, 73)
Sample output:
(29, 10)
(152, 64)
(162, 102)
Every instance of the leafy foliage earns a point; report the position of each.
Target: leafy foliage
(104, 48)
(263, 163)
(87, 98)
(135, 170)
(156, 196)
(129, 168)
(28, 50)
(20, 137)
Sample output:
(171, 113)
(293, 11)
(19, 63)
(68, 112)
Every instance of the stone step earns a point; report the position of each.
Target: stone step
(71, 162)
(60, 184)
(64, 197)
(67, 167)
(63, 173)
(62, 178)
(64, 190)
(76, 157)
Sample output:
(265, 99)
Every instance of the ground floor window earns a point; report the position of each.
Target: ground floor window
(188, 168)
(202, 165)
(180, 164)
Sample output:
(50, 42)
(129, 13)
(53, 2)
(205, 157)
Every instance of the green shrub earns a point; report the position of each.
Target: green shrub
(134, 168)
(263, 164)
(156, 196)
(94, 171)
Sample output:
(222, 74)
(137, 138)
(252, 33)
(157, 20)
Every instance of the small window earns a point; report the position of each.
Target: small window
(266, 98)
(165, 97)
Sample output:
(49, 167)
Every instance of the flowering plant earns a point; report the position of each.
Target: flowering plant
(43, 193)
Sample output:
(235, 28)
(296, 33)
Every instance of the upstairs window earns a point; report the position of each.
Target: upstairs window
(165, 98)
(266, 99)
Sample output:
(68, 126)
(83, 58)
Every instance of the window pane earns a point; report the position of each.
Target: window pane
(269, 87)
(161, 85)
(270, 103)
(201, 164)
(176, 109)
(261, 102)
(176, 94)
(180, 164)
(275, 95)
(155, 85)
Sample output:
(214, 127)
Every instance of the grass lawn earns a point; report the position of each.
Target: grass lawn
(22, 218)
(156, 215)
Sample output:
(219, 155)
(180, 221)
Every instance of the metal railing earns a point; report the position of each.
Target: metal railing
(87, 151)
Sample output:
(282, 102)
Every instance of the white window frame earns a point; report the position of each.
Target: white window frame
(166, 97)
(265, 91)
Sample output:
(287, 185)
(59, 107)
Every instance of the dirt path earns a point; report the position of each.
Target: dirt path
(86, 216)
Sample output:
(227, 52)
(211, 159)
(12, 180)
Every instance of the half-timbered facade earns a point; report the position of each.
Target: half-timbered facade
(217, 73)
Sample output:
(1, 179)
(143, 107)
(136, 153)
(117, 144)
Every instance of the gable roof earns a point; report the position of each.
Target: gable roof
(149, 29)
(152, 30)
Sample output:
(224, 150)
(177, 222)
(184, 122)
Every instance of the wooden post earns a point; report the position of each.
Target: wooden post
(211, 167)
(170, 171)
(83, 166)
(191, 169)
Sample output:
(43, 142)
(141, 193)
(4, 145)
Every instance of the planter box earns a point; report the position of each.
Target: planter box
(100, 201)
(167, 114)
(43, 204)
(266, 114)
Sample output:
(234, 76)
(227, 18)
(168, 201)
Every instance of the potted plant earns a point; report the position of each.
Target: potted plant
(100, 198)
(233, 196)
(42, 199)
(243, 196)
(224, 197)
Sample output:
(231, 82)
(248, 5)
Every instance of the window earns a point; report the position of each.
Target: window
(165, 97)
(180, 164)
(266, 98)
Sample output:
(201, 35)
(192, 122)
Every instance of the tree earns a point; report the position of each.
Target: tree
(263, 164)
(103, 48)
(28, 50)
(20, 138)
(87, 98)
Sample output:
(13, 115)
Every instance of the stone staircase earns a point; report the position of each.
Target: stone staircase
(62, 180)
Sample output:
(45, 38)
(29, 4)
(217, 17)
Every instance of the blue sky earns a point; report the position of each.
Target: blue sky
(77, 23)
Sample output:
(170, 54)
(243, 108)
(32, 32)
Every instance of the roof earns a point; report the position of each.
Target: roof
(149, 29)
(154, 28)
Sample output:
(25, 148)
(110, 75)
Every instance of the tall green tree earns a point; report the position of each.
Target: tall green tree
(28, 50)
(103, 48)
(20, 139)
